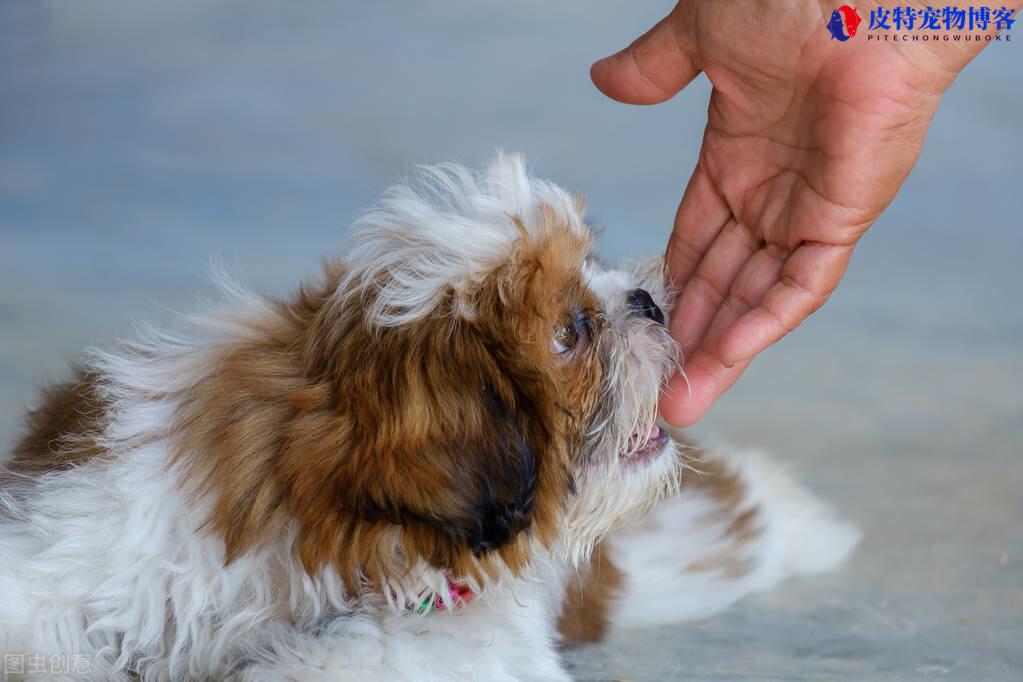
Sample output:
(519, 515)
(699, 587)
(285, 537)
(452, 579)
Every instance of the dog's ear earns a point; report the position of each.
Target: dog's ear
(500, 500)
(485, 485)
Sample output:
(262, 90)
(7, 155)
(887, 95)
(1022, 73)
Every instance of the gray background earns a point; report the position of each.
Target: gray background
(138, 141)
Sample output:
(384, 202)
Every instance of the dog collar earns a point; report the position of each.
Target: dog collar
(459, 595)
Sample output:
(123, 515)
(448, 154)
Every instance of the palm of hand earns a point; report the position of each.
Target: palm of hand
(807, 141)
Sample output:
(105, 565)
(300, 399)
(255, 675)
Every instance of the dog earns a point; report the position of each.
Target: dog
(440, 461)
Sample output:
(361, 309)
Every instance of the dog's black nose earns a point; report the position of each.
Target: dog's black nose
(642, 303)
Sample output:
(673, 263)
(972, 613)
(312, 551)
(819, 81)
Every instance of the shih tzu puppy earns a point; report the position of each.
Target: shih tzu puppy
(431, 464)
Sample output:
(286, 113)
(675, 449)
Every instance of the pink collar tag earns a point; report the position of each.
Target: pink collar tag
(458, 595)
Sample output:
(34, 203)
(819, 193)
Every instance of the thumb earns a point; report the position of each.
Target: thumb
(655, 67)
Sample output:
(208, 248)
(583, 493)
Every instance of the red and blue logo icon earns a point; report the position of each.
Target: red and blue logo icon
(843, 23)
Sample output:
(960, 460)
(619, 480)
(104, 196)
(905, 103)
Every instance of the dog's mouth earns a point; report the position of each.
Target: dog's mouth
(645, 446)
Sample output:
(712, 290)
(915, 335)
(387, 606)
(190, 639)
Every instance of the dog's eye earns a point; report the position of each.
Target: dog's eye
(570, 335)
(565, 339)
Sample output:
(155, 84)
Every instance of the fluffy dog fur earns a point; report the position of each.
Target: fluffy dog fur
(466, 398)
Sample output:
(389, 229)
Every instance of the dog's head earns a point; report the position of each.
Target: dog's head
(474, 385)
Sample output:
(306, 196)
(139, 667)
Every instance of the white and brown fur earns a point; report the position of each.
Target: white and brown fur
(465, 395)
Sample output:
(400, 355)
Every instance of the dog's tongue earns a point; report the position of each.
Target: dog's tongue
(638, 438)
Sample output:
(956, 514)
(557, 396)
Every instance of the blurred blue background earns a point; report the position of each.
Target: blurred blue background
(141, 140)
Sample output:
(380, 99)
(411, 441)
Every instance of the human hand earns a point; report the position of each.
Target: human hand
(808, 139)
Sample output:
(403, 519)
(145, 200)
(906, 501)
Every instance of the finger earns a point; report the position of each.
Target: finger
(752, 283)
(707, 289)
(808, 277)
(701, 216)
(650, 70)
(708, 379)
